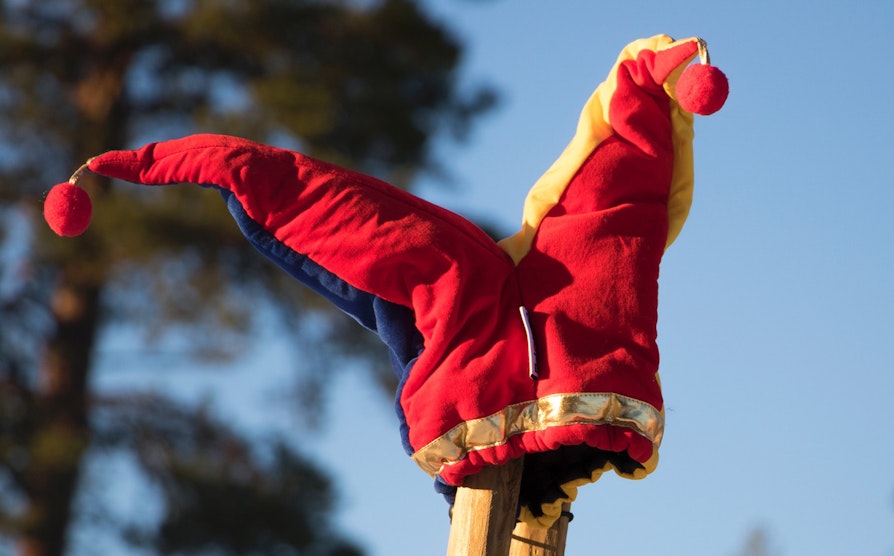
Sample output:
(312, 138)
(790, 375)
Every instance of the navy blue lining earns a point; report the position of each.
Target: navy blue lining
(393, 323)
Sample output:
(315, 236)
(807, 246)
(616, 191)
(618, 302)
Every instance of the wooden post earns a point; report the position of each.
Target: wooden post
(484, 512)
(533, 541)
(483, 520)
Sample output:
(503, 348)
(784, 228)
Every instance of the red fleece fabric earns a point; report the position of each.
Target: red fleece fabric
(589, 281)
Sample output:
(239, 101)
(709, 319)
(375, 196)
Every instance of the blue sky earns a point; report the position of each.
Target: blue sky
(775, 304)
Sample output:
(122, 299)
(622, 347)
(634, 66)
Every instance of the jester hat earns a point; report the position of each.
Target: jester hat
(542, 345)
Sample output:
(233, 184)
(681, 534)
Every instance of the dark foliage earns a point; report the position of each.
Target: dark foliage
(366, 84)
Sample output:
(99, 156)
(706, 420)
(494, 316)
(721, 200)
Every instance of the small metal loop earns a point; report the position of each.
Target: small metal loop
(77, 175)
(79, 172)
(567, 514)
(703, 56)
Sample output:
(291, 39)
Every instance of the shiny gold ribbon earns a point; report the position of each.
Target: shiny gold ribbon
(555, 410)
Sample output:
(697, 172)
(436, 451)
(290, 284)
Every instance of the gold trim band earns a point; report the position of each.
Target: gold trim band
(555, 410)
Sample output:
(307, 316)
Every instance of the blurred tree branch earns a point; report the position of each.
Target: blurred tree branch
(366, 84)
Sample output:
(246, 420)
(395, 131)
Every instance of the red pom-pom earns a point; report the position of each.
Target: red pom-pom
(702, 89)
(67, 209)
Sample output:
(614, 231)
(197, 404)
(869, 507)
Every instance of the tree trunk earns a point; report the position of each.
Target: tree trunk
(61, 434)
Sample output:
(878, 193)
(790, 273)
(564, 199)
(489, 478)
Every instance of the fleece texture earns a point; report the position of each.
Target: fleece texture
(542, 345)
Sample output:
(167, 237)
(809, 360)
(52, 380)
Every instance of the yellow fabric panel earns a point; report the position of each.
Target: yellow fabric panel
(594, 127)
(683, 179)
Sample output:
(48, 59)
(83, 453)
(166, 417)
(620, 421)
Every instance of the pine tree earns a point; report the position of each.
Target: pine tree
(366, 84)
